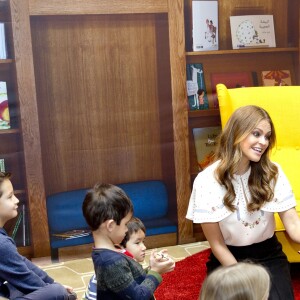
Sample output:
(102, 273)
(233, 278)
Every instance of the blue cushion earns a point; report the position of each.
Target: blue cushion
(149, 198)
(65, 211)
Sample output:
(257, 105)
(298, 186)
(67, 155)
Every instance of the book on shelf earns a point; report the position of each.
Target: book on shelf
(2, 165)
(196, 89)
(72, 234)
(3, 49)
(4, 110)
(276, 78)
(205, 25)
(231, 80)
(20, 217)
(253, 31)
(205, 140)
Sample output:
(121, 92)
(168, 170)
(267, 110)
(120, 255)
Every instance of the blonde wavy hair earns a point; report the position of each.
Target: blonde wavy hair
(241, 281)
(263, 174)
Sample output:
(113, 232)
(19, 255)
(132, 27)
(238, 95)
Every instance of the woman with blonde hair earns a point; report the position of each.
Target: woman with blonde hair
(242, 281)
(236, 197)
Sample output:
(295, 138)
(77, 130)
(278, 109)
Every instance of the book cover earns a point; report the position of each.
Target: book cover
(205, 143)
(252, 31)
(4, 110)
(276, 78)
(3, 50)
(196, 89)
(231, 80)
(205, 25)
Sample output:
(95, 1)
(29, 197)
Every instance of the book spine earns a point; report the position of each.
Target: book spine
(2, 165)
(17, 225)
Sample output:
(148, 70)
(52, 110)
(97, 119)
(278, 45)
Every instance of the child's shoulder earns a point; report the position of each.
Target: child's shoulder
(106, 254)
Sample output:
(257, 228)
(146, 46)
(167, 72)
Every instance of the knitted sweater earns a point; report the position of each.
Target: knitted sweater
(18, 270)
(121, 277)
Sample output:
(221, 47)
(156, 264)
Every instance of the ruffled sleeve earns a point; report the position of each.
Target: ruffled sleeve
(206, 201)
(284, 198)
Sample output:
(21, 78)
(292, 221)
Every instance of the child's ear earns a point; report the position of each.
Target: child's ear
(110, 225)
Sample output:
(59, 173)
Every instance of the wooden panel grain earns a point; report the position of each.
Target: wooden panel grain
(180, 116)
(79, 7)
(30, 127)
(97, 99)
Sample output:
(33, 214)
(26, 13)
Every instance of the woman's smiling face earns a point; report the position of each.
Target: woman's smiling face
(256, 143)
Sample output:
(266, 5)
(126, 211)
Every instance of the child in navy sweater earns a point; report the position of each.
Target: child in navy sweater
(19, 277)
(107, 210)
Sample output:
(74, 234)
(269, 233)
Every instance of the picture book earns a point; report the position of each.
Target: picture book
(205, 143)
(72, 234)
(231, 80)
(4, 110)
(196, 89)
(276, 78)
(205, 25)
(252, 31)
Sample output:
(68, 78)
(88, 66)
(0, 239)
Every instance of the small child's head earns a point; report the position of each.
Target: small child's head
(107, 203)
(8, 201)
(134, 239)
(243, 280)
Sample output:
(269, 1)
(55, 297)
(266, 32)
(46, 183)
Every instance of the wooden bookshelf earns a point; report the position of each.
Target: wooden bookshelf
(114, 107)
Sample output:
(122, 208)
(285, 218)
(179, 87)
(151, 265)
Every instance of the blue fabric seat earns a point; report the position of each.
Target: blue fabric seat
(149, 198)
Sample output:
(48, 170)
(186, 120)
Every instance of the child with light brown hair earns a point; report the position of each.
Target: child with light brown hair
(242, 281)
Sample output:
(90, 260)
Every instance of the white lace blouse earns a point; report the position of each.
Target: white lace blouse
(239, 228)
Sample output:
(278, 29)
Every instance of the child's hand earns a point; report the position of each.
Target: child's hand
(160, 262)
(68, 288)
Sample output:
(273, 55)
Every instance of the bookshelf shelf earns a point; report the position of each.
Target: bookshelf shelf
(242, 51)
(19, 192)
(204, 113)
(10, 131)
(6, 61)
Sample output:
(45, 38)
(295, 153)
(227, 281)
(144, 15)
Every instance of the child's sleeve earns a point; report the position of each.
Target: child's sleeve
(18, 271)
(118, 277)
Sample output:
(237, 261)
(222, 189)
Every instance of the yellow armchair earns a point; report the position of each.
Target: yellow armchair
(283, 105)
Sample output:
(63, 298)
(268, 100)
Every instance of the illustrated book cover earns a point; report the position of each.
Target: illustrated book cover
(205, 25)
(231, 80)
(205, 143)
(196, 89)
(4, 110)
(252, 31)
(276, 78)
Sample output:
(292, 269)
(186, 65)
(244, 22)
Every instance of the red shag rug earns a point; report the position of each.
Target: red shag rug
(185, 281)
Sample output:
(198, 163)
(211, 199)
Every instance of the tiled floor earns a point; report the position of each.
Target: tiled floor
(77, 272)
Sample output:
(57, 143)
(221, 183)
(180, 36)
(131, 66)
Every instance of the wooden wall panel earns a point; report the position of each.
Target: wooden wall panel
(79, 7)
(97, 96)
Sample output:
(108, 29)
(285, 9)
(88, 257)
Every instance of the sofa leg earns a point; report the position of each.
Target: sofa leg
(54, 255)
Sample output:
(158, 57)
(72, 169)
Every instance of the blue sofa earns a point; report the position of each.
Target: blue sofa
(149, 198)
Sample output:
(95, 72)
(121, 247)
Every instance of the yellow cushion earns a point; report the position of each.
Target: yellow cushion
(283, 105)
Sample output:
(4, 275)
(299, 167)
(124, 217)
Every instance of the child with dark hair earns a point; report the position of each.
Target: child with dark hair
(19, 277)
(132, 246)
(108, 211)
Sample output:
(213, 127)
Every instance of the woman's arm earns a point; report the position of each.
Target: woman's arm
(291, 222)
(215, 238)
